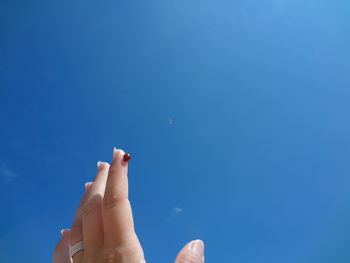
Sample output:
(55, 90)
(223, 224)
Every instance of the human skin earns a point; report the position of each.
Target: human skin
(104, 221)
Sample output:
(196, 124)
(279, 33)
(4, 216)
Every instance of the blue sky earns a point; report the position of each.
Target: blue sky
(256, 161)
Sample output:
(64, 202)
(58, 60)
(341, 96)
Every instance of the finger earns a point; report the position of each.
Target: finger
(92, 217)
(117, 214)
(192, 252)
(77, 226)
(62, 249)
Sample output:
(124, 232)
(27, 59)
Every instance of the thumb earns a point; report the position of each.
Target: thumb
(62, 249)
(192, 252)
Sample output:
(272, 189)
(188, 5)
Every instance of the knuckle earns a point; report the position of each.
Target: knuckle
(82, 203)
(83, 199)
(113, 257)
(77, 228)
(122, 254)
(111, 201)
(188, 258)
(89, 258)
(113, 169)
(93, 204)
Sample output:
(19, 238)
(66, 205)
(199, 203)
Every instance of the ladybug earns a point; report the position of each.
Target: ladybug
(127, 157)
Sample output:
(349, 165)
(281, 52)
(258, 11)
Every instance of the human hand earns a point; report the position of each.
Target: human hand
(104, 222)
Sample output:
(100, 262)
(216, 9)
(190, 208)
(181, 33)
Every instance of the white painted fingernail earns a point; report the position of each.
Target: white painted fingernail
(117, 151)
(87, 186)
(63, 231)
(114, 152)
(98, 164)
(197, 246)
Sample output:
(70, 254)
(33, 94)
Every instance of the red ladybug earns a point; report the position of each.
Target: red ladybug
(127, 157)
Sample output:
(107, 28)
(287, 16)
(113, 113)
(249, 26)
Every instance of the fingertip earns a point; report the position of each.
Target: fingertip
(88, 186)
(117, 153)
(193, 252)
(197, 246)
(62, 248)
(200, 242)
(65, 232)
(120, 157)
(102, 165)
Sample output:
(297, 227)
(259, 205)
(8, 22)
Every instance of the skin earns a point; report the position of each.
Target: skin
(104, 221)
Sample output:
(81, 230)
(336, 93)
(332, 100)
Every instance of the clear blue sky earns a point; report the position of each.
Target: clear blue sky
(256, 161)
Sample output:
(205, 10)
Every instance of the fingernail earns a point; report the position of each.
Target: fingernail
(87, 186)
(114, 152)
(63, 231)
(117, 151)
(101, 165)
(197, 246)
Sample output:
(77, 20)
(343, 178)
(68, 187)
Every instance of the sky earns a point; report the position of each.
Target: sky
(255, 159)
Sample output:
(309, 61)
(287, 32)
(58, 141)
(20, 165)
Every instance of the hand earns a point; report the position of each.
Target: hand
(104, 222)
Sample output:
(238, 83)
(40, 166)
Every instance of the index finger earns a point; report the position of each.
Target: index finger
(117, 215)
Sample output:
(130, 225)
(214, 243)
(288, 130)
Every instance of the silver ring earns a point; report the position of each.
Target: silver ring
(76, 248)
